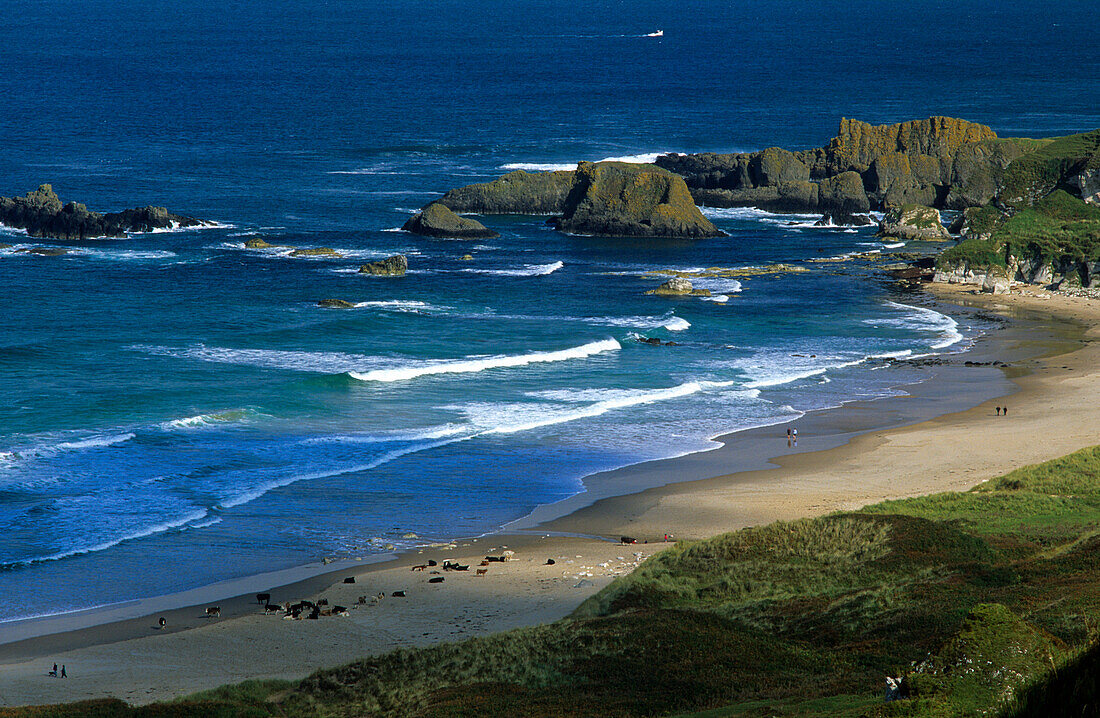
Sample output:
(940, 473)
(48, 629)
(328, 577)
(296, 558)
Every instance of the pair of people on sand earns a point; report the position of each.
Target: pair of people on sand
(1002, 411)
(792, 437)
(64, 674)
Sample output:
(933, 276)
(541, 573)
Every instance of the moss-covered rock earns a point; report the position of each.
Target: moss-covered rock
(394, 266)
(436, 220)
(678, 287)
(618, 199)
(44, 251)
(316, 252)
(517, 192)
(914, 222)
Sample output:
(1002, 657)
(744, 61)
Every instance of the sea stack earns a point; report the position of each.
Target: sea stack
(618, 199)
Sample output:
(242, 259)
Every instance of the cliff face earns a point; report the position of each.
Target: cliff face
(619, 199)
(517, 192)
(42, 214)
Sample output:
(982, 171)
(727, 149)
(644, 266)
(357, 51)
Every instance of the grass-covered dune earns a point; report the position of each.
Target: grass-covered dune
(987, 602)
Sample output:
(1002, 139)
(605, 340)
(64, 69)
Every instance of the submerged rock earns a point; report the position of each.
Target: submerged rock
(517, 192)
(42, 214)
(618, 199)
(44, 251)
(436, 220)
(678, 287)
(914, 222)
(336, 304)
(260, 243)
(466, 258)
(394, 266)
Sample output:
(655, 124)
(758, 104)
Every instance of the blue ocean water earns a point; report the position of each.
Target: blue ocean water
(179, 411)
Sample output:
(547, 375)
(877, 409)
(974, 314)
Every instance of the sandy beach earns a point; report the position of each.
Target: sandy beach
(851, 456)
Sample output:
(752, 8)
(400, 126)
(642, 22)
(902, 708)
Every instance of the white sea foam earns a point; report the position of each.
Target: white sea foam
(720, 298)
(401, 305)
(644, 158)
(200, 421)
(717, 285)
(759, 215)
(320, 362)
(514, 418)
(528, 270)
(126, 255)
(473, 365)
(670, 322)
(893, 245)
(925, 320)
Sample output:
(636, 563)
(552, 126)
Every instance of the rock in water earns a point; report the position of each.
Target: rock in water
(839, 219)
(316, 252)
(617, 199)
(394, 266)
(436, 220)
(467, 258)
(678, 287)
(336, 304)
(45, 251)
(517, 192)
(260, 243)
(914, 222)
(42, 215)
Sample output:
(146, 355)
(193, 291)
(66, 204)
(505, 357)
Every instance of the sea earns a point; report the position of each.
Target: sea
(177, 410)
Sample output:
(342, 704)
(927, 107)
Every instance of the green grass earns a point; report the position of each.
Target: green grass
(1047, 168)
(977, 597)
(1058, 228)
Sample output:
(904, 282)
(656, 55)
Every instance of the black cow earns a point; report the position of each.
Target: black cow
(263, 598)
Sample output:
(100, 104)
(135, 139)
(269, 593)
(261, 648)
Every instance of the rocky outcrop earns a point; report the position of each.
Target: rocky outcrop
(1088, 185)
(939, 161)
(517, 192)
(679, 287)
(842, 219)
(914, 222)
(42, 214)
(466, 258)
(436, 220)
(336, 304)
(618, 199)
(316, 252)
(394, 266)
(260, 243)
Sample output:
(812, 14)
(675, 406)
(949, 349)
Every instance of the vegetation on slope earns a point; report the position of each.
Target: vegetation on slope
(986, 600)
(1057, 229)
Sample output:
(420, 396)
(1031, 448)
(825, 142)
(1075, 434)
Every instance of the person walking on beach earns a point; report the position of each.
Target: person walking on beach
(998, 411)
(54, 671)
(63, 673)
(1005, 411)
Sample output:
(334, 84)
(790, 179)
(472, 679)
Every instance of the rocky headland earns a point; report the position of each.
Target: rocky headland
(42, 214)
(437, 220)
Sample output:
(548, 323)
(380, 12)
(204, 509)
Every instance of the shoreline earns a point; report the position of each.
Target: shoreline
(705, 497)
(631, 479)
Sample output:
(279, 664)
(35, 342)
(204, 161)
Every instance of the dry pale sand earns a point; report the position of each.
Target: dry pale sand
(1054, 412)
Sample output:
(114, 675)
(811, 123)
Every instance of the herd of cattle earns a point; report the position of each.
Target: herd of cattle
(315, 610)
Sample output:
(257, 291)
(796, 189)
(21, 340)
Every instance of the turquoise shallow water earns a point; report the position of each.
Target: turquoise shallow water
(178, 410)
